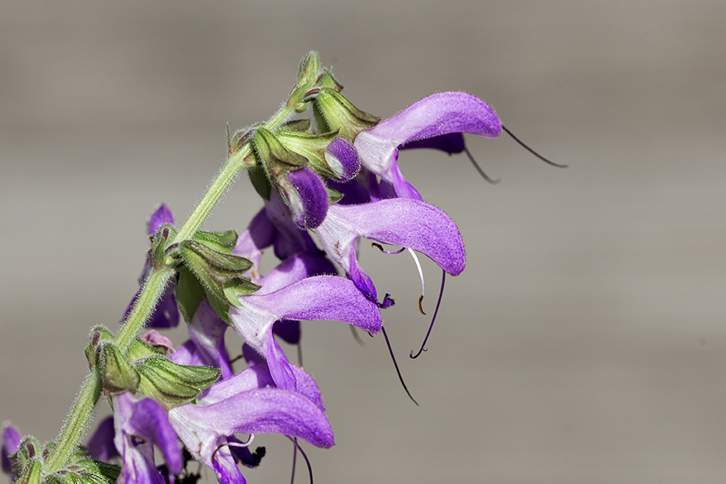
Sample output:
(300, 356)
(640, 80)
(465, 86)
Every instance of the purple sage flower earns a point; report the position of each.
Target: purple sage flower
(409, 223)
(101, 445)
(342, 158)
(245, 404)
(306, 197)
(139, 425)
(10, 445)
(166, 313)
(436, 121)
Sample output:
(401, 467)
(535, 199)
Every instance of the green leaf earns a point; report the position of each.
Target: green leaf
(334, 196)
(299, 125)
(189, 293)
(173, 384)
(221, 261)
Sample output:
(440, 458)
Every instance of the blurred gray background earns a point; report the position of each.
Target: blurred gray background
(586, 342)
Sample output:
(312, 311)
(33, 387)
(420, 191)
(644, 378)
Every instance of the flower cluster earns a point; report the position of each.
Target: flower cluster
(326, 184)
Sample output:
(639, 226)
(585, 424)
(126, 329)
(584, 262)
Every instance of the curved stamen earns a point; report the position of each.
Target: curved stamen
(524, 145)
(433, 319)
(356, 336)
(422, 280)
(395, 364)
(479, 169)
(305, 456)
(387, 251)
(294, 460)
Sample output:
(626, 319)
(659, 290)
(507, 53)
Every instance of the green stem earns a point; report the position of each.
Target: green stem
(75, 424)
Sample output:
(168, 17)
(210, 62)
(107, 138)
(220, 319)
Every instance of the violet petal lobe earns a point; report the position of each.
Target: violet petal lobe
(207, 331)
(100, 446)
(342, 158)
(314, 298)
(150, 420)
(161, 216)
(438, 114)
(10, 445)
(307, 199)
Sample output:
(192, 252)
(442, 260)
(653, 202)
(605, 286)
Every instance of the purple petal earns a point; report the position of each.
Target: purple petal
(294, 269)
(100, 445)
(289, 331)
(253, 378)
(287, 376)
(161, 216)
(438, 114)
(314, 298)
(10, 445)
(308, 199)
(405, 222)
(203, 428)
(188, 354)
(226, 468)
(165, 314)
(207, 331)
(342, 158)
(290, 239)
(451, 143)
(137, 457)
(154, 338)
(251, 243)
(150, 421)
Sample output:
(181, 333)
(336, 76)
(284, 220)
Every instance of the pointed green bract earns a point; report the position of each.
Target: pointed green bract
(219, 274)
(311, 146)
(337, 113)
(189, 293)
(172, 384)
(117, 374)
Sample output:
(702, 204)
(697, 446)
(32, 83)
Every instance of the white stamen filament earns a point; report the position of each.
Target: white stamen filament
(421, 279)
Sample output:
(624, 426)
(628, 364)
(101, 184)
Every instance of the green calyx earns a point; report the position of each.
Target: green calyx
(334, 112)
(311, 146)
(208, 269)
(172, 384)
(147, 371)
(307, 75)
(29, 465)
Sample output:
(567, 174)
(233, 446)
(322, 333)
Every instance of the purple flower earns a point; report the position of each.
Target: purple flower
(139, 425)
(305, 195)
(166, 313)
(10, 445)
(242, 404)
(101, 444)
(313, 298)
(436, 121)
(409, 223)
(342, 158)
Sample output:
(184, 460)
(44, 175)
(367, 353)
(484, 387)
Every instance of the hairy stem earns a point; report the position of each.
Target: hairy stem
(76, 422)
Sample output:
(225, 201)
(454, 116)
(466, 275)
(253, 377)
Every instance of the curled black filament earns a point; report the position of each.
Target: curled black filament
(395, 365)
(479, 169)
(305, 456)
(526, 147)
(433, 319)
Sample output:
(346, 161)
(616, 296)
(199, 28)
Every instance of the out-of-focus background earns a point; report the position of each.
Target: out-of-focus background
(585, 343)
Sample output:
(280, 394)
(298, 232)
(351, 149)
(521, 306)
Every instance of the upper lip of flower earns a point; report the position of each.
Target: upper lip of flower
(406, 222)
(435, 115)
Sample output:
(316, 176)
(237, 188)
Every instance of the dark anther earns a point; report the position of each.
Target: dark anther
(386, 251)
(479, 169)
(395, 364)
(523, 145)
(136, 440)
(433, 319)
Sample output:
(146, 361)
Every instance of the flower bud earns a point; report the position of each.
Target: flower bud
(334, 112)
(342, 158)
(99, 334)
(304, 193)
